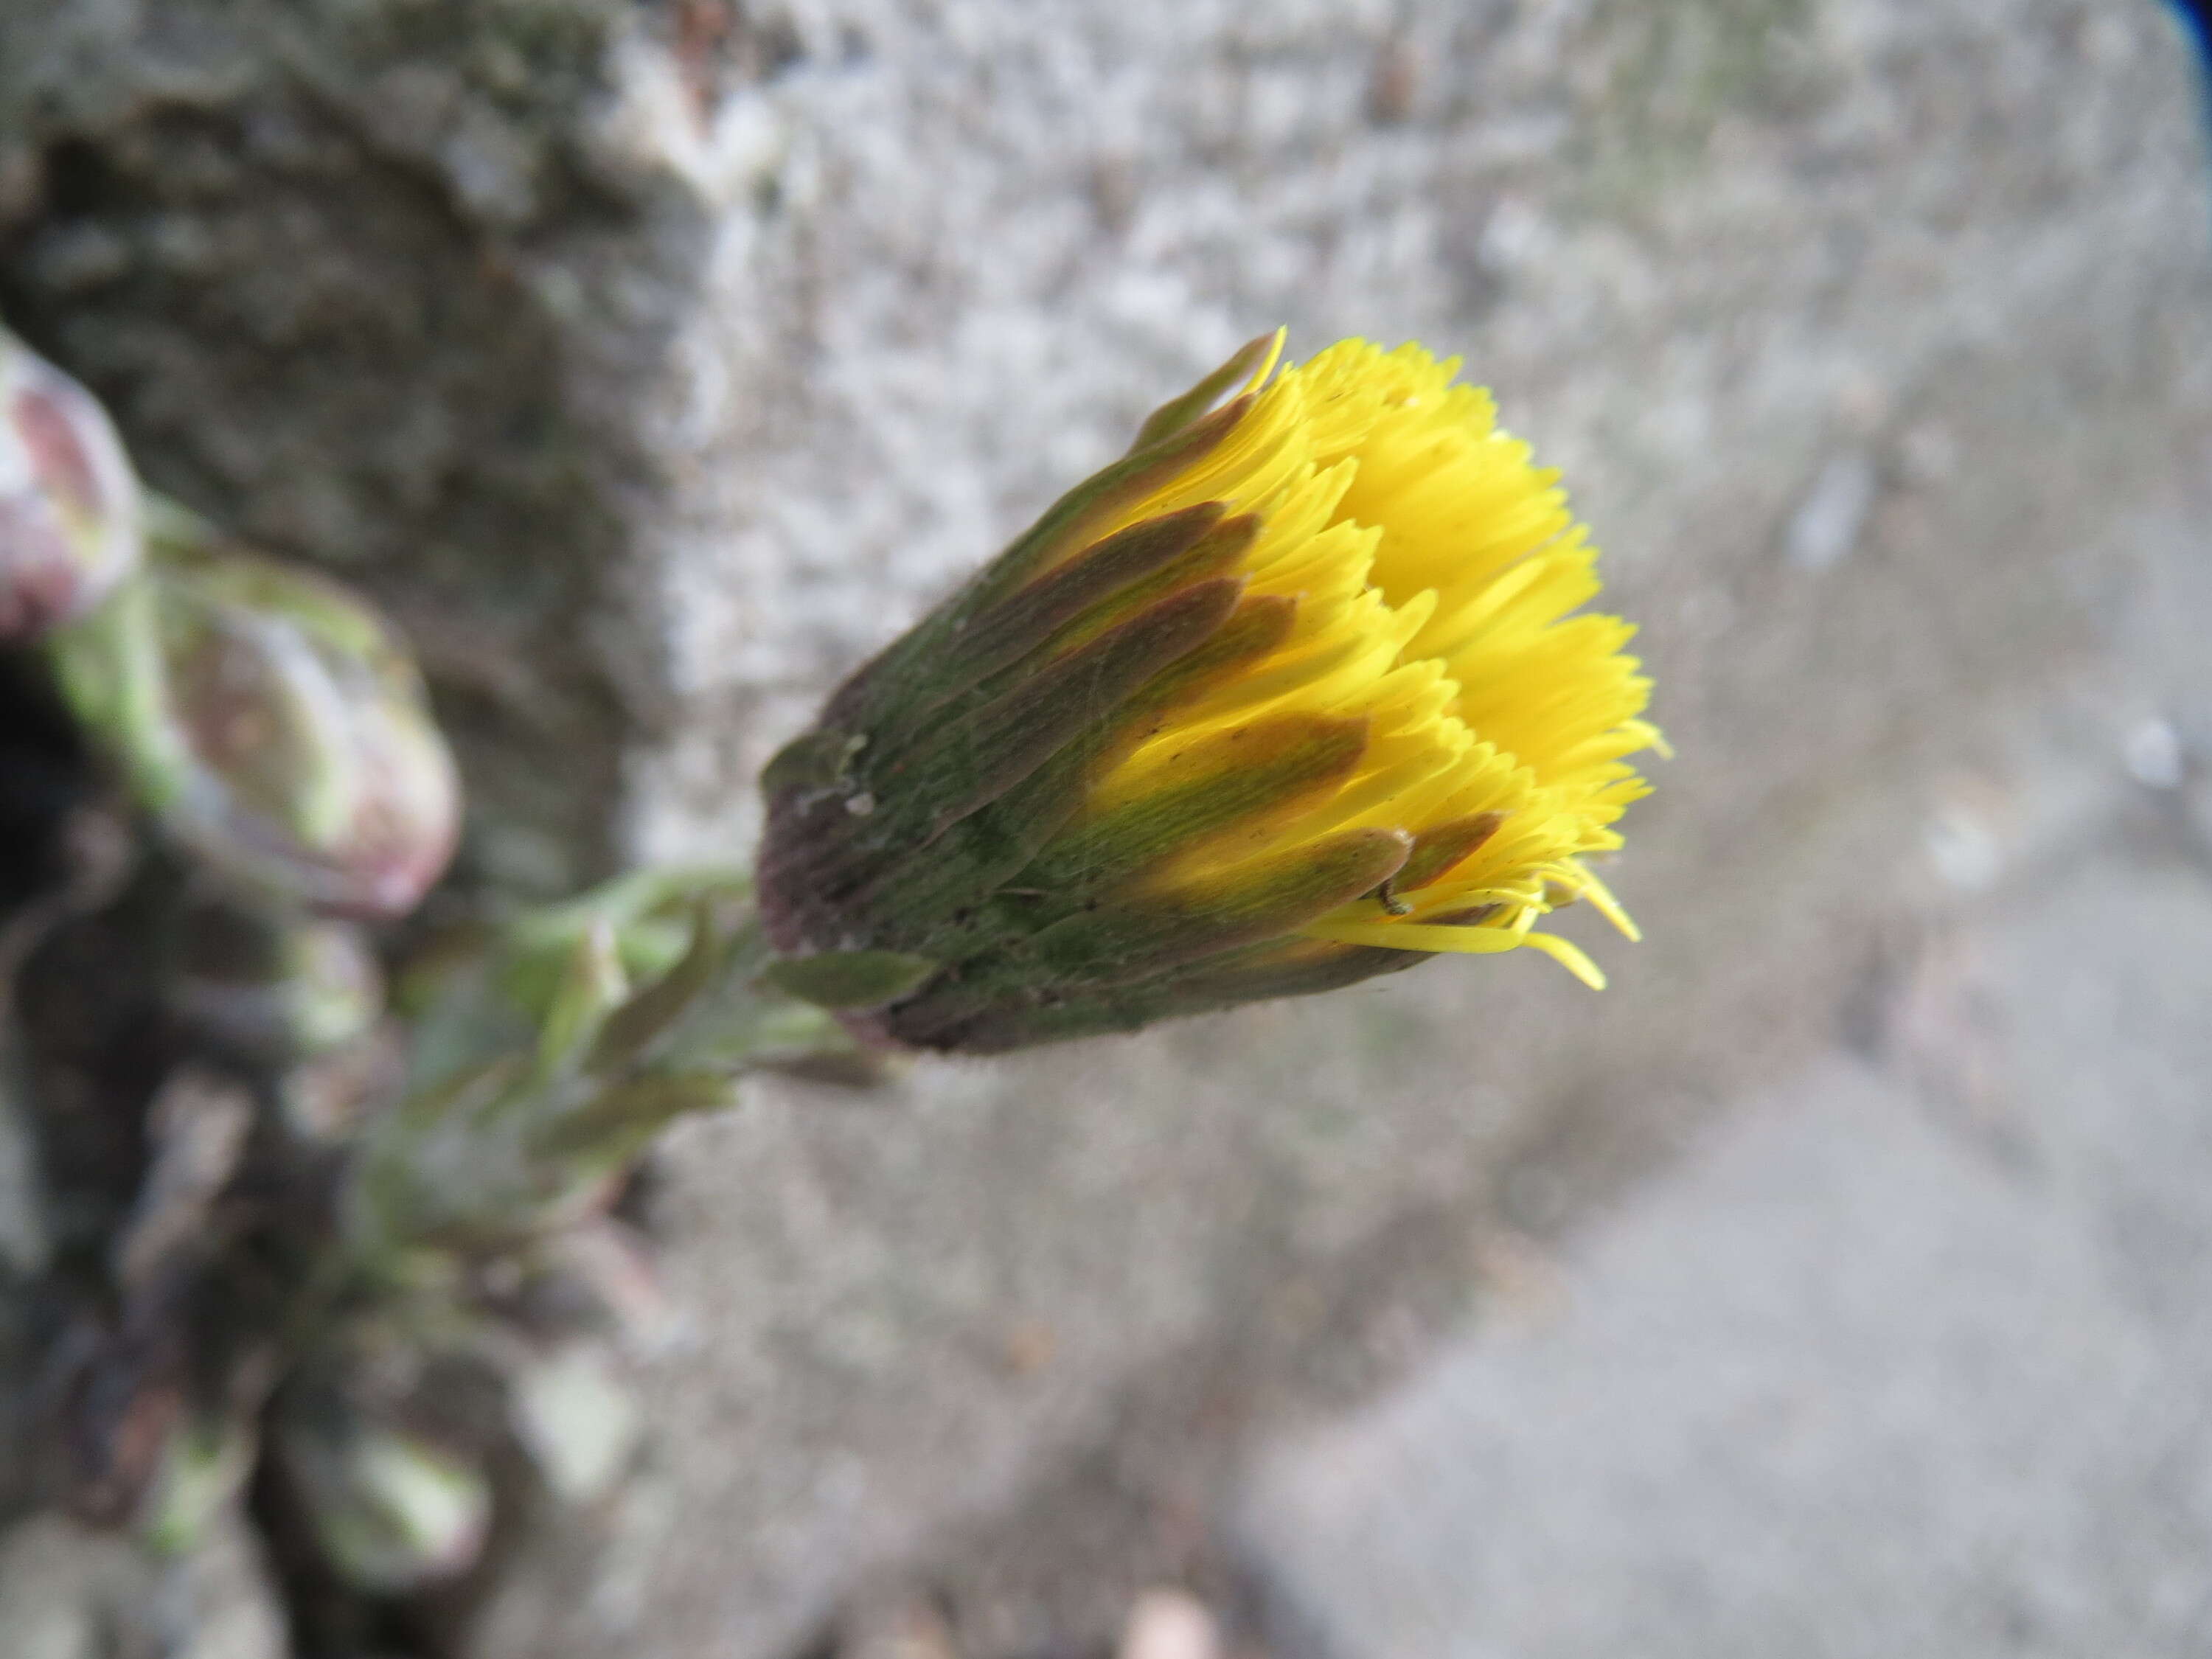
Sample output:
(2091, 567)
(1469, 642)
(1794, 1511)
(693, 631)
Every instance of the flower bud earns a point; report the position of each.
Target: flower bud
(69, 500)
(390, 1510)
(272, 722)
(1288, 697)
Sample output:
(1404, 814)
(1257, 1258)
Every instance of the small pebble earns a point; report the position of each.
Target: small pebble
(1171, 1623)
(2152, 752)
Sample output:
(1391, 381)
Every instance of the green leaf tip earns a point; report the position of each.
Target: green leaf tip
(850, 979)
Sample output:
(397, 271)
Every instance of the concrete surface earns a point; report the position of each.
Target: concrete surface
(656, 361)
(1906, 1358)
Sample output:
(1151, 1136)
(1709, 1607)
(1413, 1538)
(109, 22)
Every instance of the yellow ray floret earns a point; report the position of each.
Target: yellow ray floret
(1437, 573)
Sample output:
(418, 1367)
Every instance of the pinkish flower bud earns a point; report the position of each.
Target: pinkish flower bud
(69, 501)
(271, 721)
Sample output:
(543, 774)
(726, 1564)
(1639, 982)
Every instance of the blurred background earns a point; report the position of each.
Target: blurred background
(1833, 1284)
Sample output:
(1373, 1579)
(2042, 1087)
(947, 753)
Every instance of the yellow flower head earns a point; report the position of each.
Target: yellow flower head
(1290, 696)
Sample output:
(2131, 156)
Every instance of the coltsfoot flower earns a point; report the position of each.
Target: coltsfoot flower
(69, 500)
(1292, 694)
